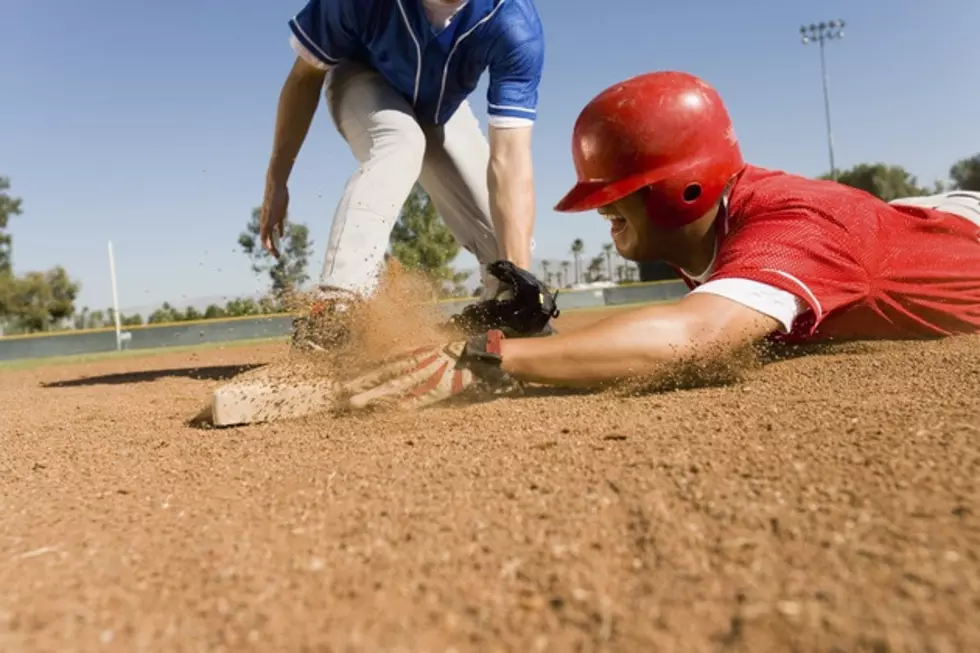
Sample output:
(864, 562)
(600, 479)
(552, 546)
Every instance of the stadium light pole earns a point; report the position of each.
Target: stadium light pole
(820, 33)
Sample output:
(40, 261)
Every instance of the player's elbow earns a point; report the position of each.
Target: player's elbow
(711, 348)
(306, 77)
(690, 352)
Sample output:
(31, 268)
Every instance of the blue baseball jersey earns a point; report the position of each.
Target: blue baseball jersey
(434, 70)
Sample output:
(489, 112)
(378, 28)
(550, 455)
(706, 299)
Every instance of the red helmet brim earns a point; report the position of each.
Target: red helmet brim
(591, 195)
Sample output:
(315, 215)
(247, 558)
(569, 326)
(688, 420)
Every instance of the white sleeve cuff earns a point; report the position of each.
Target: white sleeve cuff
(508, 122)
(780, 305)
(306, 55)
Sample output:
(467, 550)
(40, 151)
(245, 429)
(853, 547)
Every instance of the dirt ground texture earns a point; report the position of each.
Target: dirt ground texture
(827, 502)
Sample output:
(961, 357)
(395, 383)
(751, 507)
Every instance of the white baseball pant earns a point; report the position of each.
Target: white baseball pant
(963, 203)
(394, 151)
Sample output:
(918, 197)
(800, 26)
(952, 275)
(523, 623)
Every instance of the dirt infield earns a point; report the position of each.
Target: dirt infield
(827, 503)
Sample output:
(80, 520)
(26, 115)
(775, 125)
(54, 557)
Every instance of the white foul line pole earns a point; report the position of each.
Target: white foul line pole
(115, 297)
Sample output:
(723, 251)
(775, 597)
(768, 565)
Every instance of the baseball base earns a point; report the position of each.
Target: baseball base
(258, 396)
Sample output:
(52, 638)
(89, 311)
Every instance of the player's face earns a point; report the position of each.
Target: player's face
(637, 238)
(629, 227)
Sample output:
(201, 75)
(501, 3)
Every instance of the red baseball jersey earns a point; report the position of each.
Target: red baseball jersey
(864, 268)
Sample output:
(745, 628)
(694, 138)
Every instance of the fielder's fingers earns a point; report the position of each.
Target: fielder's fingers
(427, 370)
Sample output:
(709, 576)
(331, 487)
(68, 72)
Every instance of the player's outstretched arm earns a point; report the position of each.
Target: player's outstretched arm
(650, 342)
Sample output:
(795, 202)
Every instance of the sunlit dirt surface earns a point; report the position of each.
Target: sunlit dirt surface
(825, 503)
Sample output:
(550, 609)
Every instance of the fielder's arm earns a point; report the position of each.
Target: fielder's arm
(510, 177)
(512, 108)
(650, 342)
(298, 101)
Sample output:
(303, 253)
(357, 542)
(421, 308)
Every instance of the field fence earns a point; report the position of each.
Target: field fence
(188, 333)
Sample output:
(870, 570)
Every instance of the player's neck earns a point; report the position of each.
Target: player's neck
(697, 253)
(696, 259)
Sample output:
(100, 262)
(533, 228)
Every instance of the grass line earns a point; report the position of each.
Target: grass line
(21, 364)
(148, 352)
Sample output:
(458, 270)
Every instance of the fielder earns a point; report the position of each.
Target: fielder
(766, 254)
(397, 75)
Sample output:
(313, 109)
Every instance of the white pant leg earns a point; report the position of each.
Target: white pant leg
(383, 134)
(963, 203)
(454, 174)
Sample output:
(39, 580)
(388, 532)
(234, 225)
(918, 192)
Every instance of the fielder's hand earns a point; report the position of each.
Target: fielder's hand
(524, 310)
(272, 221)
(430, 375)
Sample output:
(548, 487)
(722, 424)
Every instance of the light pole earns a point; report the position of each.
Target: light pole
(819, 33)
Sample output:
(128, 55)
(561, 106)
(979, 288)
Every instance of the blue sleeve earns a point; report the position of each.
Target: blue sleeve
(515, 74)
(324, 30)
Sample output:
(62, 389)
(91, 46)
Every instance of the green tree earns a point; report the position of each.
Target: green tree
(421, 242)
(41, 301)
(8, 291)
(38, 301)
(96, 319)
(268, 305)
(81, 318)
(288, 272)
(240, 307)
(565, 266)
(213, 312)
(9, 207)
(966, 173)
(594, 271)
(164, 315)
(546, 271)
(884, 181)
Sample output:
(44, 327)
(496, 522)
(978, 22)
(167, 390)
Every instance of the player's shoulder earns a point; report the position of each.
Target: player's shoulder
(350, 11)
(762, 194)
(517, 21)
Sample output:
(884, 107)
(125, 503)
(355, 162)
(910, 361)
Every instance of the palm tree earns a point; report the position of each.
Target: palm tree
(607, 249)
(546, 271)
(594, 271)
(578, 246)
(564, 266)
(81, 319)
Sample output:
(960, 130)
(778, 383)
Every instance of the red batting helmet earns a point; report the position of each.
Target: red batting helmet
(668, 132)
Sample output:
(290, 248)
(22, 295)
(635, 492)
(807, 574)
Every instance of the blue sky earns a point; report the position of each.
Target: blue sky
(150, 123)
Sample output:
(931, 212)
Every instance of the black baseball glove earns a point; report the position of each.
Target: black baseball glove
(523, 310)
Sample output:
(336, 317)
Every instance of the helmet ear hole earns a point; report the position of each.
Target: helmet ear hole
(692, 192)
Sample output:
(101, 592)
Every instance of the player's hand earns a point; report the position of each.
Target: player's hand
(272, 221)
(429, 375)
(524, 309)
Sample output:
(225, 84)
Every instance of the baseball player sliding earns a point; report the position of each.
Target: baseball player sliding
(767, 255)
(397, 75)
